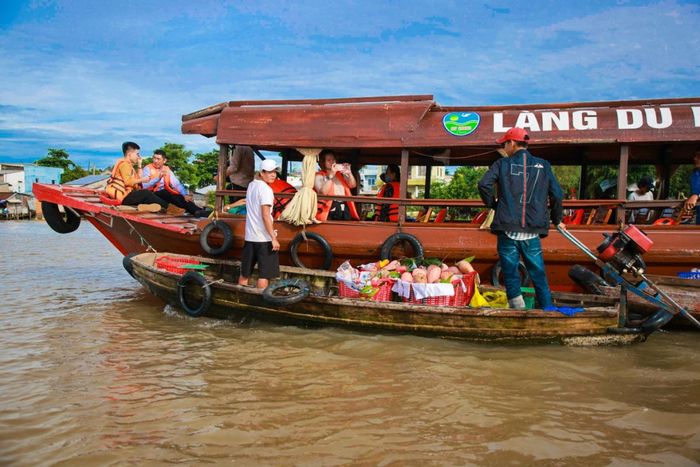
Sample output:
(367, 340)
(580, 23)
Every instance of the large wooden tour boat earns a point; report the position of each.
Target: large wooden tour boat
(415, 130)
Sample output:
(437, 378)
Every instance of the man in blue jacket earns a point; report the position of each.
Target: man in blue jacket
(692, 202)
(525, 184)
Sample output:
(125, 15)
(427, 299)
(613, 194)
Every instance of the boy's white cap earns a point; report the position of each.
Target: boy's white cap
(268, 165)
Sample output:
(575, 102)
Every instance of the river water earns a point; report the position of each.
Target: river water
(95, 371)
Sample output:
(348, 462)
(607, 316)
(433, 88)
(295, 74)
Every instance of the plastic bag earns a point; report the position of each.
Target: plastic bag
(477, 300)
(496, 298)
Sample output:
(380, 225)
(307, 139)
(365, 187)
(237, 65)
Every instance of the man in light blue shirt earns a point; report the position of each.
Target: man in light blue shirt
(166, 185)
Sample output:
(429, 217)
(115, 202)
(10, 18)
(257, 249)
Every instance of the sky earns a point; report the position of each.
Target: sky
(85, 76)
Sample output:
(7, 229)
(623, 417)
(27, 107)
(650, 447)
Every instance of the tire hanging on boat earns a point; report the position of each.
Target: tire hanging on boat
(327, 251)
(390, 243)
(496, 272)
(587, 279)
(128, 265)
(58, 221)
(225, 230)
(196, 279)
(656, 321)
(300, 289)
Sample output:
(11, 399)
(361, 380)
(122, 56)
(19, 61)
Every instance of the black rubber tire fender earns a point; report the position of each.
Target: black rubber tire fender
(196, 279)
(587, 279)
(390, 242)
(128, 265)
(327, 251)
(301, 287)
(524, 275)
(225, 230)
(56, 219)
(656, 321)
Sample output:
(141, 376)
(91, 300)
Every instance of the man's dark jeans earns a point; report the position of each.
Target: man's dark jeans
(510, 251)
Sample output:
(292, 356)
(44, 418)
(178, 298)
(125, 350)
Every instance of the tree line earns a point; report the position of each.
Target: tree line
(194, 170)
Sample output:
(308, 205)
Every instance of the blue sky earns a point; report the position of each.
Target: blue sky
(87, 75)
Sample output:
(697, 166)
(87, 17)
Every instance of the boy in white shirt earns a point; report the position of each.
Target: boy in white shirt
(261, 246)
(642, 193)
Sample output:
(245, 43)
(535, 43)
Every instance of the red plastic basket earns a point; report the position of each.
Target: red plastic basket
(173, 264)
(460, 298)
(383, 295)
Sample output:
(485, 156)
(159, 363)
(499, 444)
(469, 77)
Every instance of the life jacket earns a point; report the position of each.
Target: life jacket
(324, 206)
(167, 184)
(280, 186)
(116, 186)
(387, 212)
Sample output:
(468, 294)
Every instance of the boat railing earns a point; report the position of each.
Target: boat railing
(583, 211)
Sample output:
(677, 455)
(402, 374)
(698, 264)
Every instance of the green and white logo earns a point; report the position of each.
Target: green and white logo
(461, 123)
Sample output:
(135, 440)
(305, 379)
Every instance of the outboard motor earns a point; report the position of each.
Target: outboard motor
(623, 250)
(621, 253)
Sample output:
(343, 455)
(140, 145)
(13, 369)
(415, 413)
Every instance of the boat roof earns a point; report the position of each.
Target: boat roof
(378, 128)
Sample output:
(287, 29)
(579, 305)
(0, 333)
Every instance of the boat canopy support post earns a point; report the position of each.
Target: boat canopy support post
(622, 179)
(583, 181)
(663, 173)
(224, 150)
(428, 177)
(285, 164)
(404, 185)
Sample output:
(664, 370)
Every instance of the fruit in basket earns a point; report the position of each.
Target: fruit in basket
(401, 269)
(446, 276)
(433, 274)
(454, 270)
(465, 267)
(420, 275)
(390, 266)
(444, 267)
(407, 277)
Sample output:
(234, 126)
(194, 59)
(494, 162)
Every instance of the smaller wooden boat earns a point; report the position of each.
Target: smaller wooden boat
(213, 291)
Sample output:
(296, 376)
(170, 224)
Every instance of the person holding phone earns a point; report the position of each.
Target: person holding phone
(334, 180)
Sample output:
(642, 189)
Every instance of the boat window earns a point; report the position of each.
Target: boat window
(569, 177)
(294, 174)
(370, 181)
(601, 182)
(679, 186)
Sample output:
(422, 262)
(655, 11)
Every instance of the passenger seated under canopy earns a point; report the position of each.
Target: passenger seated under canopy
(391, 178)
(334, 180)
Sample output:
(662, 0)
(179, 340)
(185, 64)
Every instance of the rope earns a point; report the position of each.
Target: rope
(143, 241)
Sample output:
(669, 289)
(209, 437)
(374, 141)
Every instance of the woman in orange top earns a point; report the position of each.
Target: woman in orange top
(125, 183)
(334, 180)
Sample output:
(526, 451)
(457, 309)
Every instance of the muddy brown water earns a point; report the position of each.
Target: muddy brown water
(95, 371)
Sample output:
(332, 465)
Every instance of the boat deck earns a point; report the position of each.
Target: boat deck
(89, 202)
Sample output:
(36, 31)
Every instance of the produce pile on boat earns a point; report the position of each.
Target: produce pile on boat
(418, 281)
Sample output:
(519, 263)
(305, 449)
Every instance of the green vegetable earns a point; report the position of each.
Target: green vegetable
(431, 261)
(470, 259)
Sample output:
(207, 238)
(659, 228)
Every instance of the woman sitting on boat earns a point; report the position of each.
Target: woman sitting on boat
(391, 178)
(334, 180)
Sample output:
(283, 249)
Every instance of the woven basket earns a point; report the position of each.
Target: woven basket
(460, 298)
(382, 295)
